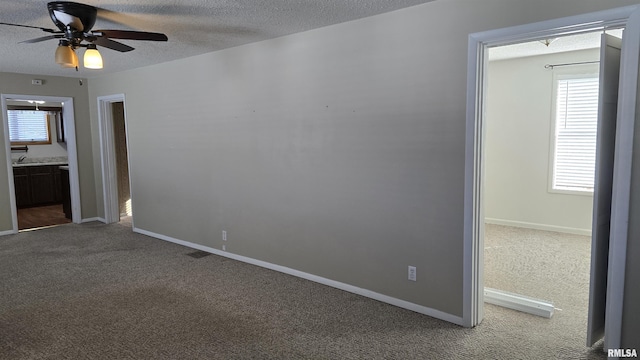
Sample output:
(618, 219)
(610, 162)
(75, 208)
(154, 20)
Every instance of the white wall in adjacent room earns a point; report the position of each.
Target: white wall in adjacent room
(518, 145)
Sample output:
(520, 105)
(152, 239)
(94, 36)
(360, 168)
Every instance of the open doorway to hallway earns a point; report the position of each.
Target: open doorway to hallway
(122, 159)
(114, 152)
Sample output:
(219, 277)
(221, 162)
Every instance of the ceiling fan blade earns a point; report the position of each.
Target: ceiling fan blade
(34, 27)
(131, 35)
(44, 38)
(113, 45)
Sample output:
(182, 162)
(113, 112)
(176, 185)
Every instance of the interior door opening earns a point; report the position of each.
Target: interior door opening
(537, 238)
(40, 166)
(116, 182)
(122, 159)
(42, 160)
(479, 43)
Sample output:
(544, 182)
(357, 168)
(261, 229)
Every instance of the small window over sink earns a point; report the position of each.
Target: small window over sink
(29, 127)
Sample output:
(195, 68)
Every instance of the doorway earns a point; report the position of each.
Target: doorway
(540, 155)
(115, 158)
(122, 159)
(629, 18)
(38, 156)
(42, 185)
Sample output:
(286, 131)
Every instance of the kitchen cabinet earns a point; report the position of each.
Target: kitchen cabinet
(41, 185)
(66, 192)
(57, 184)
(21, 184)
(37, 185)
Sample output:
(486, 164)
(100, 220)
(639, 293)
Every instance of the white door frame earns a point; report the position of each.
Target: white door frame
(474, 152)
(108, 156)
(72, 154)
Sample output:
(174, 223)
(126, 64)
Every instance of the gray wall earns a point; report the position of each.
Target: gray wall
(53, 86)
(338, 151)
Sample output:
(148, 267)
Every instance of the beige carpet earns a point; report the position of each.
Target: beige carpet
(544, 265)
(97, 291)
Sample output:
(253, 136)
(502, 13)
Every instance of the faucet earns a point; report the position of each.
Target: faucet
(21, 158)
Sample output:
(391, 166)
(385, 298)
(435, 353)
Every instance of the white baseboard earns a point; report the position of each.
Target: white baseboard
(527, 225)
(8, 232)
(519, 302)
(318, 279)
(93, 219)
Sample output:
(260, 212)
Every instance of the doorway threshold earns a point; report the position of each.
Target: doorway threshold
(40, 228)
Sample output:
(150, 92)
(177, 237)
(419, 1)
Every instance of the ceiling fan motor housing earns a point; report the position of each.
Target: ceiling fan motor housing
(80, 17)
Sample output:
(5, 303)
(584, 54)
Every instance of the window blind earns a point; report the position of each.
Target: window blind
(576, 130)
(28, 125)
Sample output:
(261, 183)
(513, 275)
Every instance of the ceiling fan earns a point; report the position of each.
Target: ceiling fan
(74, 22)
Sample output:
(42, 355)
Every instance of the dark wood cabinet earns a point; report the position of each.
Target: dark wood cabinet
(22, 186)
(42, 190)
(57, 184)
(66, 193)
(37, 185)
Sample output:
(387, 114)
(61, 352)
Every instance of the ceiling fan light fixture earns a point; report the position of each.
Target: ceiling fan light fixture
(65, 56)
(547, 42)
(92, 58)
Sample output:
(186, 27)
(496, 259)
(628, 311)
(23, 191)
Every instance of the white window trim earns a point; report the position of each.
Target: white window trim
(576, 72)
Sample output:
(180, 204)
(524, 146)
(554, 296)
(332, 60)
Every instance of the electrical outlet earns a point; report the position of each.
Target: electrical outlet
(224, 248)
(224, 235)
(412, 273)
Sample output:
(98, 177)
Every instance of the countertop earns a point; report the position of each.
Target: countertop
(39, 163)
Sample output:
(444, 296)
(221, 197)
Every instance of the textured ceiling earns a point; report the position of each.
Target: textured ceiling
(563, 44)
(192, 26)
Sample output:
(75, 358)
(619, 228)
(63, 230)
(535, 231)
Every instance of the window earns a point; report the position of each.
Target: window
(576, 120)
(29, 127)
